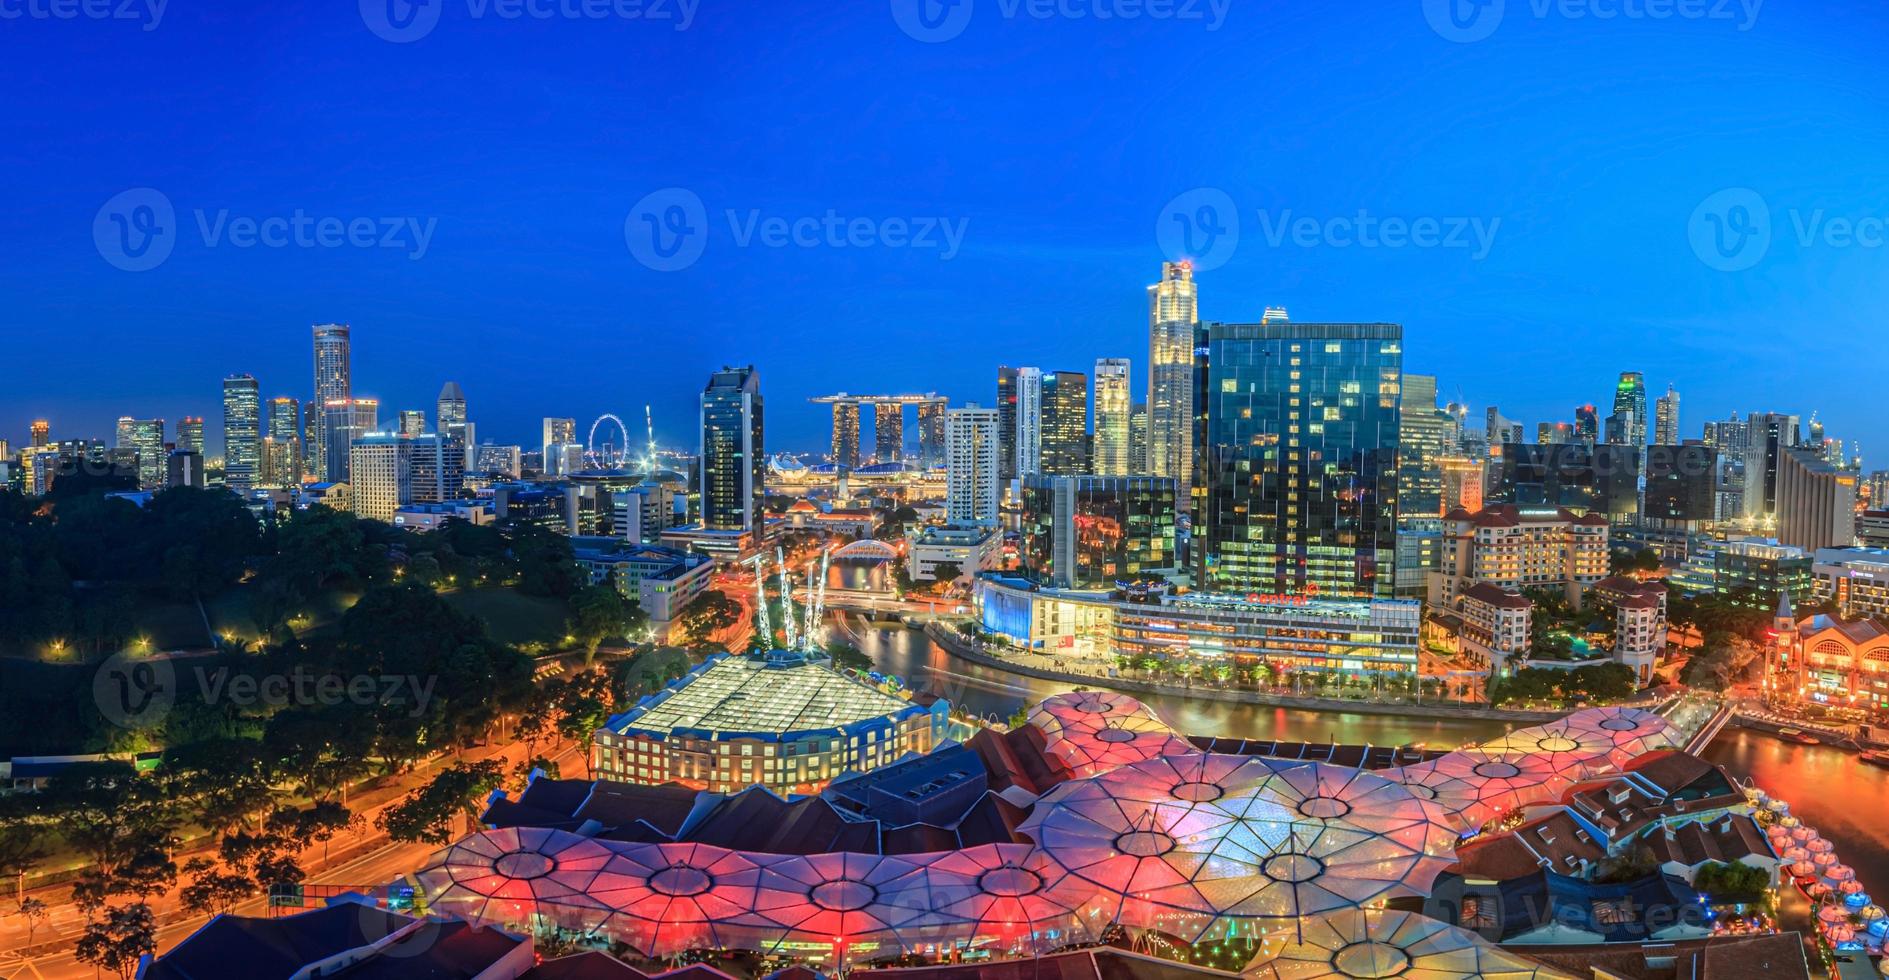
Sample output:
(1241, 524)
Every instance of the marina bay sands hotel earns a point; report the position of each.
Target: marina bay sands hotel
(888, 425)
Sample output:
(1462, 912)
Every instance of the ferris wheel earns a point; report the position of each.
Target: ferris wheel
(609, 454)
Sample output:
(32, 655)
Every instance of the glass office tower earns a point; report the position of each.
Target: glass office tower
(1090, 532)
(1296, 435)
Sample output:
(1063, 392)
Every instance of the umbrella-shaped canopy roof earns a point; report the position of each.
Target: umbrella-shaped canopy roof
(1632, 731)
(1377, 943)
(1499, 779)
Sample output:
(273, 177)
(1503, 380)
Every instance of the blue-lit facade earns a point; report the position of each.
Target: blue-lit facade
(1296, 440)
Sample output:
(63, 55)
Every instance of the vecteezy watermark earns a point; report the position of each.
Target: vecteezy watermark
(137, 230)
(668, 230)
(936, 21)
(1203, 227)
(405, 21)
(147, 14)
(1733, 229)
(138, 692)
(1466, 21)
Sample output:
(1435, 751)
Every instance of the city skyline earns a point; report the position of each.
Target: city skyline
(1590, 268)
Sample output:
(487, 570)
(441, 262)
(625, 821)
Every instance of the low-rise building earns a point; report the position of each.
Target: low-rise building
(1520, 548)
(1857, 578)
(784, 719)
(661, 580)
(1872, 527)
(971, 549)
(1495, 623)
(1638, 610)
(428, 517)
(1756, 572)
(1830, 660)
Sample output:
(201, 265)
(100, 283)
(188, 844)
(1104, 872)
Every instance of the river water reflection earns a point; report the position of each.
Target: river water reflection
(1847, 801)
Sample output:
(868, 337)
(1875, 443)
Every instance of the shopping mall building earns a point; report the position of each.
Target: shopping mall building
(1287, 632)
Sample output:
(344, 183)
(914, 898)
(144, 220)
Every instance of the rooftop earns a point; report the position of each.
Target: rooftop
(750, 695)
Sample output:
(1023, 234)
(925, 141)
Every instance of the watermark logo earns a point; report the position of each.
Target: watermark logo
(147, 14)
(136, 229)
(401, 21)
(1201, 225)
(406, 21)
(1463, 21)
(932, 21)
(1467, 21)
(668, 230)
(134, 692)
(1731, 229)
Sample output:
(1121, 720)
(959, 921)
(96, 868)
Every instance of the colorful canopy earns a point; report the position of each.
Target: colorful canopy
(1086, 710)
(1633, 731)
(1379, 943)
(1499, 779)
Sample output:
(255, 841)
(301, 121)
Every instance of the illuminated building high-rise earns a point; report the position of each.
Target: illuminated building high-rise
(1029, 421)
(1586, 424)
(285, 427)
(1112, 412)
(190, 434)
(144, 438)
(559, 433)
(846, 434)
(334, 380)
(1768, 436)
(412, 422)
(1423, 440)
(242, 432)
(1630, 400)
(343, 422)
(971, 465)
(1296, 457)
(1138, 439)
(733, 459)
(450, 413)
(931, 433)
(41, 434)
(1666, 418)
(1065, 424)
(1173, 309)
(888, 431)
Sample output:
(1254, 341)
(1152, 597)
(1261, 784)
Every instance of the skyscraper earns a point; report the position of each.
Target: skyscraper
(41, 434)
(412, 422)
(145, 439)
(450, 412)
(1296, 457)
(558, 434)
(242, 431)
(1029, 421)
(190, 434)
(285, 427)
(971, 465)
(1423, 441)
(1065, 424)
(334, 380)
(1630, 400)
(888, 431)
(1138, 439)
(343, 422)
(1816, 501)
(1112, 414)
(733, 459)
(1586, 424)
(1666, 418)
(931, 422)
(1768, 436)
(1173, 309)
(1007, 422)
(846, 434)
(380, 468)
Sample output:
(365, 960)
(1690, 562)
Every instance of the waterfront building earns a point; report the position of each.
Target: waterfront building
(1600, 479)
(1086, 532)
(1112, 428)
(190, 434)
(1173, 311)
(1517, 548)
(1638, 611)
(1666, 418)
(1296, 451)
(1831, 660)
(971, 465)
(1063, 449)
(1816, 501)
(663, 581)
(1630, 408)
(334, 382)
(733, 457)
(784, 719)
(242, 432)
(1495, 625)
(1856, 579)
(1286, 632)
(970, 549)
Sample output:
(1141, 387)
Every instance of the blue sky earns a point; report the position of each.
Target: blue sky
(1052, 140)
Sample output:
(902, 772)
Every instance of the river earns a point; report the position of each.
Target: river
(1845, 800)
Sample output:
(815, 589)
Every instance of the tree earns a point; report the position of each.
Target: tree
(428, 814)
(21, 847)
(119, 940)
(653, 668)
(945, 574)
(213, 891)
(34, 912)
(1726, 883)
(710, 613)
(599, 612)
